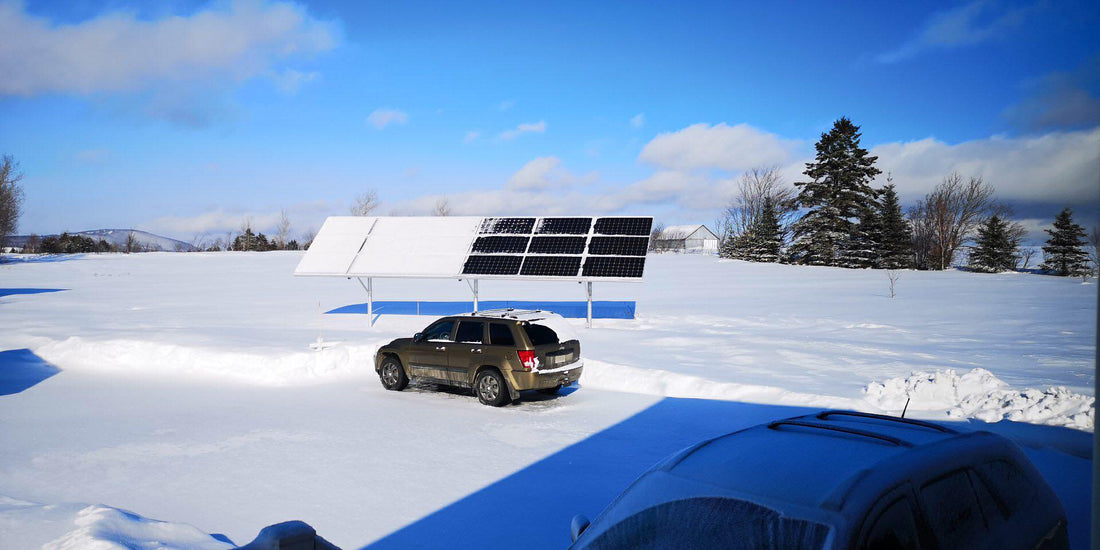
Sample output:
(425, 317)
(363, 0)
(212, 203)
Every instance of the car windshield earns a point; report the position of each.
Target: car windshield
(710, 522)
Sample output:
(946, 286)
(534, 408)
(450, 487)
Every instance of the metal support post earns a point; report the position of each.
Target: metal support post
(472, 283)
(369, 287)
(589, 304)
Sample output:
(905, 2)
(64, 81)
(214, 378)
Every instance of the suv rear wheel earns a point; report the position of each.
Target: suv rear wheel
(392, 375)
(490, 388)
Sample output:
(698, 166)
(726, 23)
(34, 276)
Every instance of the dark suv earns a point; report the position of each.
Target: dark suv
(497, 353)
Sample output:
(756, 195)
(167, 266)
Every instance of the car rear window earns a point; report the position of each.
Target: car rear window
(952, 510)
(711, 522)
(540, 335)
(470, 332)
(1011, 488)
(500, 335)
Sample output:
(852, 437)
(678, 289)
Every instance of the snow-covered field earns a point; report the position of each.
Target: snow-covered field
(188, 393)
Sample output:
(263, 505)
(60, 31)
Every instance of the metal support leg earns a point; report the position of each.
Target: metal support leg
(369, 287)
(473, 288)
(589, 304)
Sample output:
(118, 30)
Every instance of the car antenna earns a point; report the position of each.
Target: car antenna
(907, 398)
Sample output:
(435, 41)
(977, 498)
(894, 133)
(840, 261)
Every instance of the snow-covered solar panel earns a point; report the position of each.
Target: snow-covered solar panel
(561, 247)
(335, 246)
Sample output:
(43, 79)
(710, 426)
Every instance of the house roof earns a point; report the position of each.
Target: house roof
(685, 231)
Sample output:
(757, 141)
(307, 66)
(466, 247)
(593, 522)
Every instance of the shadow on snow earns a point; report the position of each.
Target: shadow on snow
(603, 309)
(13, 291)
(21, 369)
(533, 506)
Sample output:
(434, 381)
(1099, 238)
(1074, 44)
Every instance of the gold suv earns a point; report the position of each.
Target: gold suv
(497, 353)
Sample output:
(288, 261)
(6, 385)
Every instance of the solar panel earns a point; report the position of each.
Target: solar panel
(564, 226)
(611, 266)
(624, 226)
(551, 266)
(508, 226)
(492, 265)
(618, 246)
(501, 244)
(561, 247)
(557, 245)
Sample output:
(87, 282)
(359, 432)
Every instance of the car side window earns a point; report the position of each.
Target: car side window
(439, 332)
(1012, 489)
(470, 332)
(501, 335)
(894, 529)
(952, 510)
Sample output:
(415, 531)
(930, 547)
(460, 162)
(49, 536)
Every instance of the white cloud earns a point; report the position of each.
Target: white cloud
(530, 127)
(383, 117)
(506, 104)
(471, 136)
(964, 25)
(92, 156)
(217, 223)
(290, 80)
(1057, 167)
(637, 121)
(545, 173)
(1060, 100)
(732, 148)
(117, 52)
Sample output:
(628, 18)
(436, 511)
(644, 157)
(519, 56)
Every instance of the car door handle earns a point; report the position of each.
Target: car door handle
(441, 348)
(475, 350)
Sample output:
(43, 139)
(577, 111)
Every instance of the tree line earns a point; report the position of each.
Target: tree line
(837, 218)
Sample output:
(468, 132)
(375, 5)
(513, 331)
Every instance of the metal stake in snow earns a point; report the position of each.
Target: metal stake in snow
(589, 304)
(320, 343)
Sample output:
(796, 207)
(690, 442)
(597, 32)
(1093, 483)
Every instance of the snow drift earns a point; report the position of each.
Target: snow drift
(271, 367)
(981, 395)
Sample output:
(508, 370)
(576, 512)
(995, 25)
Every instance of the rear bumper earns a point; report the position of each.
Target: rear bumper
(561, 376)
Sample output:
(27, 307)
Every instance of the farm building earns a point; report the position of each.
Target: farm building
(686, 238)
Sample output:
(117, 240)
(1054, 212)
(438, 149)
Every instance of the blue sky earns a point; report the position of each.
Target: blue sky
(185, 117)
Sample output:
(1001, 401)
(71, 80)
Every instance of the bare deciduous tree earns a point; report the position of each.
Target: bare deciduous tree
(947, 217)
(282, 230)
(11, 196)
(365, 203)
(131, 243)
(655, 235)
(307, 238)
(754, 187)
(893, 276)
(246, 232)
(442, 207)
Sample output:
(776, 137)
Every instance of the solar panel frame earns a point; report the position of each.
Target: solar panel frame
(448, 247)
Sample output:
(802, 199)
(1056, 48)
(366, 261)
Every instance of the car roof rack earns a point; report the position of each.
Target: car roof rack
(506, 313)
(843, 429)
(908, 421)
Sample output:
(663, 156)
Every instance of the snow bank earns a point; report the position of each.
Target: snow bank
(277, 367)
(96, 527)
(981, 395)
(623, 378)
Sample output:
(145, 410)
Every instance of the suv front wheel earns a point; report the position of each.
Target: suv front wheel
(392, 375)
(490, 388)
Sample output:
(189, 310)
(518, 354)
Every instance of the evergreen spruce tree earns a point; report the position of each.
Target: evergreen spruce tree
(838, 198)
(895, 237)
(995, 249)
(1064, 254)
(765, 237)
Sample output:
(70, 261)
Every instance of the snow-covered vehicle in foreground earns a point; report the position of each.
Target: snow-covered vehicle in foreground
(497, 353)
(836, 480)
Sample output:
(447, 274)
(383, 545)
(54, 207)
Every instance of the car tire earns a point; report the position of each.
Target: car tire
(392, 374)
(490, 388)
(550, 391)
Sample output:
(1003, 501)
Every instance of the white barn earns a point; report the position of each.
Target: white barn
(687, 238)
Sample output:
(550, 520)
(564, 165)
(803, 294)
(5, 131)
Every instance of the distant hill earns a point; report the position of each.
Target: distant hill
(145, 240)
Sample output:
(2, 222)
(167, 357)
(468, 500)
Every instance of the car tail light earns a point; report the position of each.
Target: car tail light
(527, 359)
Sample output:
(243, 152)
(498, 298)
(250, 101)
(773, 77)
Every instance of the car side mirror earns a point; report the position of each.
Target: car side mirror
(577, 526)
(418, 337)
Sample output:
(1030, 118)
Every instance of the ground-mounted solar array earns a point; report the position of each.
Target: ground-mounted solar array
(561, 247)
(553, 247)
